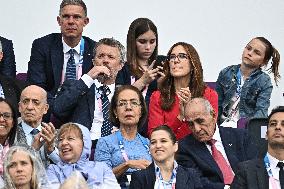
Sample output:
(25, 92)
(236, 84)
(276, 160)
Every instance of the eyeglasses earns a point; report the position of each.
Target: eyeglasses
(124, 103)
(6, 115)
(180, 56)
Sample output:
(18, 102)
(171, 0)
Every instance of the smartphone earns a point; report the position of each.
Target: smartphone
(159, 60)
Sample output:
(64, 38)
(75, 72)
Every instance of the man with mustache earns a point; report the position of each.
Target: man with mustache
(62, 56)
(266, 172)
(81, 101)
(212, 150)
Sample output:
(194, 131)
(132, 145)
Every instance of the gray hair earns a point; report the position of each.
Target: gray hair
(73, 2)
(205, 103)
(113, 43)
(39, 177)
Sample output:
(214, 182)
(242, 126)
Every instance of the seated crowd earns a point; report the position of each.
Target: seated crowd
(87, 118)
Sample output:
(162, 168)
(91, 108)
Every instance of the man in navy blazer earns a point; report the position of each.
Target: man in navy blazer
(7, 58)
(50, 54)
(79, 100)
(194, 151)
(253, 174)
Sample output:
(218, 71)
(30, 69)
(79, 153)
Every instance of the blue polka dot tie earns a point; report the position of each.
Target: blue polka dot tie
(106, 127)
(71, 66)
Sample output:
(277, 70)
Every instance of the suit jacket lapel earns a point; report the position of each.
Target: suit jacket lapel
(91, 99)
(87, 57)
(57, 59)
(229, 145)
(181, 178)
(21, 137)
(150, 176)
(262, 176)
(203, 153)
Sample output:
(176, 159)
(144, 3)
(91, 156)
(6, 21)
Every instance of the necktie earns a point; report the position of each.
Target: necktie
(222, 163)
(71, 66)
(281, 174)
(106, 127)
(34, 132)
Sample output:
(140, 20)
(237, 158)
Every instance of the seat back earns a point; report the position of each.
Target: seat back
(257, 129)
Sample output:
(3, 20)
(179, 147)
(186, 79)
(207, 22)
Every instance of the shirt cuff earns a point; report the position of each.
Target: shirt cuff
(87, 80)
(227, 187)
(54, 156)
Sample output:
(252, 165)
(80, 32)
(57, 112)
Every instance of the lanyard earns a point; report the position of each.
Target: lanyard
(121, 146)
(160, 180)
(81, 58)
(239, 82)
(269, 172)
(80, 64)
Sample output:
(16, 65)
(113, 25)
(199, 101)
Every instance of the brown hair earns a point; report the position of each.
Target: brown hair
(137, 28)
(271, 52)
(113, 104)
(196, 84)
(69, 127)
(168, 130)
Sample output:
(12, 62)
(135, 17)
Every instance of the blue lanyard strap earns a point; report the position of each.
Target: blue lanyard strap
(239, 82)
(267, 166)
(173, 177)
(121, 145)
(82, 48)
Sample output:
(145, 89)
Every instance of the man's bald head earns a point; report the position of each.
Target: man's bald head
(33, 105)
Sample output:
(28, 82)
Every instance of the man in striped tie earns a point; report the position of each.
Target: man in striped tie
(86, 100)
(213, 150)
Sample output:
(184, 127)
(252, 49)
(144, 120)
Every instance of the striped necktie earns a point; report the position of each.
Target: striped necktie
(106, 127)
(71, 66)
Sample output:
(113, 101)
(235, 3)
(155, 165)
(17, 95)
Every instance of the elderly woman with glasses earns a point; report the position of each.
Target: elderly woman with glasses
(183, 80)
(125, 151)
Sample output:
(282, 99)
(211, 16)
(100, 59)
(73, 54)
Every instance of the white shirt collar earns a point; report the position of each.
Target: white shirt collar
(216, 135)
(273, 161)
(66, 48)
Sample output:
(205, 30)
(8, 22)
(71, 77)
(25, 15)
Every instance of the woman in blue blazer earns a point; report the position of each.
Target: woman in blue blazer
(164, 172)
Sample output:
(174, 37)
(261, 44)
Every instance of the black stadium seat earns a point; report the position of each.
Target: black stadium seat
(257, 128)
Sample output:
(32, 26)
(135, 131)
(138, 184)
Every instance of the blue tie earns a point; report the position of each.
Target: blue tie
(71, 66)
(106, 127)
(34, 132)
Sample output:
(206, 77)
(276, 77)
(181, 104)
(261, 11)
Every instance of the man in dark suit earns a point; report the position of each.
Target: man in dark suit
(7, 58)
(80, 100)
(11, 89)
(56, 54)
(214, 151)
(265, 173)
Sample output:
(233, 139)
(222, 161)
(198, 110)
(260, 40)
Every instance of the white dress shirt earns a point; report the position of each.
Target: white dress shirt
(66, 49)
(98, 114)
(275, 171)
